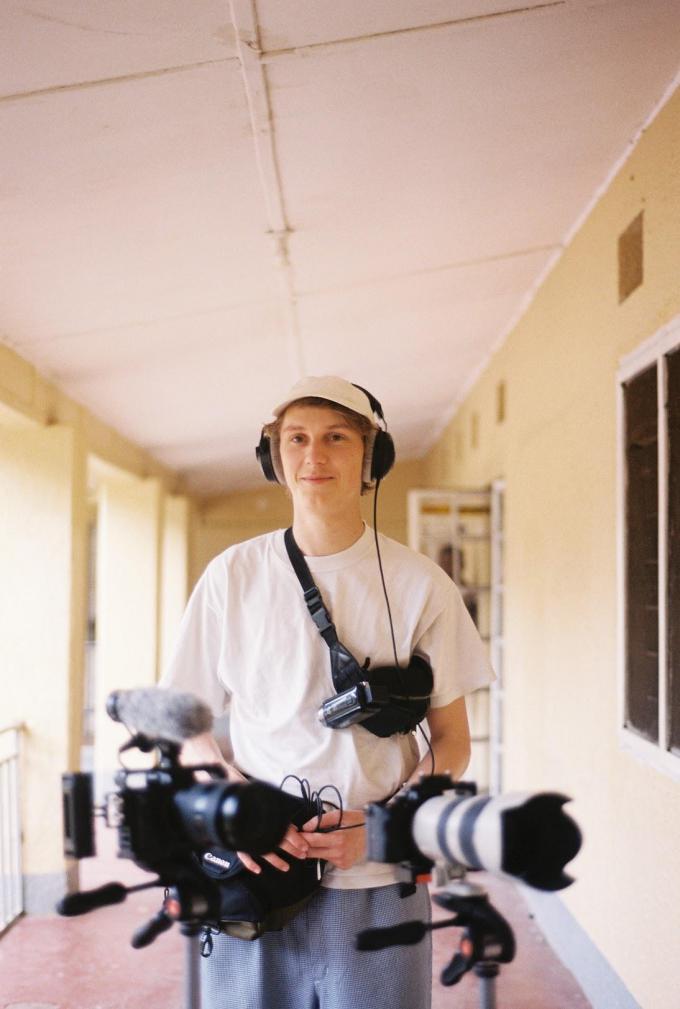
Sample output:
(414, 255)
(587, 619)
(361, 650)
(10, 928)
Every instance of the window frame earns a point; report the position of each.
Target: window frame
(652, 351)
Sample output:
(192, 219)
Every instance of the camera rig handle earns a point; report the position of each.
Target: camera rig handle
(102, 896)
(146, 933)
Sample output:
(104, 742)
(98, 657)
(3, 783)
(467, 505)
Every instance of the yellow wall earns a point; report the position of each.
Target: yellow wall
(128, 602)
(557, 450)
(42, 609)
(52, 454)
(26, 394)
(221, 521)
(174, 570)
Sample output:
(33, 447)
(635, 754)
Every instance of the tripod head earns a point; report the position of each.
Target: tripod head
(487, 938)
(486, 942)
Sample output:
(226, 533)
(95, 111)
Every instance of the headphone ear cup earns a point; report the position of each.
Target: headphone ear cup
(263, 453)
(383, 456)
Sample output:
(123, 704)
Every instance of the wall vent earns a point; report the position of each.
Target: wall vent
(500, 402)
(630, 258)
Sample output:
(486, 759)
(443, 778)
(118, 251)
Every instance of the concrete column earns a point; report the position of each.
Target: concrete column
(42, 627)
(129, 557)
(174, 571)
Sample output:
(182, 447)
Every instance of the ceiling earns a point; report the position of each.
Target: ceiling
(202, 201)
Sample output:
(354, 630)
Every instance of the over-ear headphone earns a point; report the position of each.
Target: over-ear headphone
(382, 453)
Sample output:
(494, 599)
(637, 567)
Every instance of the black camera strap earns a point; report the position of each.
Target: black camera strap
(345, 669)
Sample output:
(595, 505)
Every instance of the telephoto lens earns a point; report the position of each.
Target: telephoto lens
(437, 820)
(522, 835)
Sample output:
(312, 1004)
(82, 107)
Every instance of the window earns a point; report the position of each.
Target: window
(649, 549)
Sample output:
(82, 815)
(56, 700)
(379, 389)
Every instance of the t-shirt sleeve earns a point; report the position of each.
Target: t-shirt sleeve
(194, 662)
(453, 647)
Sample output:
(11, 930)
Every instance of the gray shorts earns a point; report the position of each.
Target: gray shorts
(313, 964)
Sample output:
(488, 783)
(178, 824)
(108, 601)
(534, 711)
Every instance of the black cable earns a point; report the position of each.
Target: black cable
(382, 573)
(315, 799)
(389, 611)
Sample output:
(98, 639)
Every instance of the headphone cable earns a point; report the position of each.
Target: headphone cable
(382, 573)
(389, 612)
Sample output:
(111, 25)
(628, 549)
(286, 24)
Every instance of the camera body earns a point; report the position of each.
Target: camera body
(390, 834)
(164, 817)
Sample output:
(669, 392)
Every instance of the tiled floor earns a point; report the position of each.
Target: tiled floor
(87, 962)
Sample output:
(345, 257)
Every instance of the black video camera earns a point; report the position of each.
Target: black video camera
(165, 819)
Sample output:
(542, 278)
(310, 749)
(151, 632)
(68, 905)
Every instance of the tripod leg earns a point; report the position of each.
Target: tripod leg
(487, 974)
(192, 967)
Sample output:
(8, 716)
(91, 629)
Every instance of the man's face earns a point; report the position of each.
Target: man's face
(322, 457)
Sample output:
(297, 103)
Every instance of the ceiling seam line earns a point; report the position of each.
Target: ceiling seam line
(307, 47)
(460, 265)
(106, 81)
(147, 323)
(258, 99)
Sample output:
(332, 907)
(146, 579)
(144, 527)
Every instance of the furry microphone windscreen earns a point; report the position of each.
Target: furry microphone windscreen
(160, 713)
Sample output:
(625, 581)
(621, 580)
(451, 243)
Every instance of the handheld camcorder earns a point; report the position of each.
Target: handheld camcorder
(166, 819)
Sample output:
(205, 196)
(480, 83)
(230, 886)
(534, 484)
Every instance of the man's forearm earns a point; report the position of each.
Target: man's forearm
(449, 758)
(204, 749)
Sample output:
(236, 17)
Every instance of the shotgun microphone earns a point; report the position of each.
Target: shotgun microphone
(160, 713)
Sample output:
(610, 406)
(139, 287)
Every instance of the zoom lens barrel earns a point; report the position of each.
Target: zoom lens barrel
(250, 817)
(523, 835)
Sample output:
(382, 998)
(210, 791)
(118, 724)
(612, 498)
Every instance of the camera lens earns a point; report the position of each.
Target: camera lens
(250, 817)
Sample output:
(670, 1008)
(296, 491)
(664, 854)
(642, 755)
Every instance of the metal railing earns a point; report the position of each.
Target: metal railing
(11, 882)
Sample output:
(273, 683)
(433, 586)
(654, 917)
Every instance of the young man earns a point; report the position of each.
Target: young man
(248, 642)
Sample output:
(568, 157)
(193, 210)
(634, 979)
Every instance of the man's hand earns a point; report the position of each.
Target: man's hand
(342, 848)
(293, 842)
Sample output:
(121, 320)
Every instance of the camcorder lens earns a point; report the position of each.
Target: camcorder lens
(250, 817)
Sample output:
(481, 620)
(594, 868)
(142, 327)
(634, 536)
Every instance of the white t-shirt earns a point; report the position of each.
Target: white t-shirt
(248, 643)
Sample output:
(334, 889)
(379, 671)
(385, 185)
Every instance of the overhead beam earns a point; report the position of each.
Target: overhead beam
(256, 86)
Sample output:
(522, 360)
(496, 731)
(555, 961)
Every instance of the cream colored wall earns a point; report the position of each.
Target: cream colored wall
(26, 395)
(42, 545)
(557, 450)
(174, 570)
(232, 518)
(129, 540)
(52, 452)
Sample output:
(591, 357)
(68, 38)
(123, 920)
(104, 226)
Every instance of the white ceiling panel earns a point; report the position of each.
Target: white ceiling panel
(129, 203)
(62, 43)
(438, 326)
(391, 127)
(205, 376)
(366, 189)
(414, 314)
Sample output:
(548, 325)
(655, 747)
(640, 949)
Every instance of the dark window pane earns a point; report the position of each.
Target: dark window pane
(673, 581)
(642, 538)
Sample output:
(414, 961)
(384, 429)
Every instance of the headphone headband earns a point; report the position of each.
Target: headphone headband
(375, 404)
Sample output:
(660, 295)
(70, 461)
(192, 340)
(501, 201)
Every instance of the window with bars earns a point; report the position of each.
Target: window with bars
(649, 383)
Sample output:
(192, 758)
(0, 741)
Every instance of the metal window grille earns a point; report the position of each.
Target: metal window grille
(11, 882)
